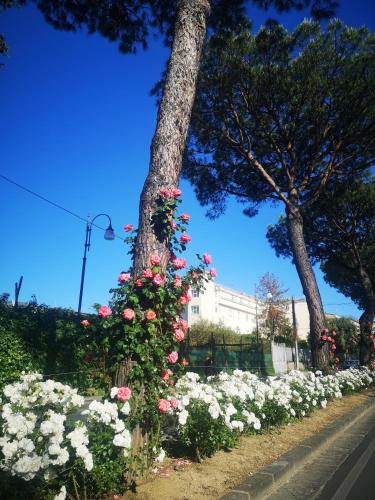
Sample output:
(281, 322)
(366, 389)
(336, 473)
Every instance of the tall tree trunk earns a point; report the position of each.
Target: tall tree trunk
(367, 318)
(309, 284)
(168, 143)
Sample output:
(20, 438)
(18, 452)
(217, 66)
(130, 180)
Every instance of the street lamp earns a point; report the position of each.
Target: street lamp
(108, 235)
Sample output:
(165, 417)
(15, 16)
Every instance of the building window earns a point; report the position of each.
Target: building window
(195, 309)
(195, 293)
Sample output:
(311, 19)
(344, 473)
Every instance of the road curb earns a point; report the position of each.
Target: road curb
(261, 483)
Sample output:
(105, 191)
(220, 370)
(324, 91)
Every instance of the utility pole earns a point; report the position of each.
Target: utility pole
(295, 335)
(17, 289)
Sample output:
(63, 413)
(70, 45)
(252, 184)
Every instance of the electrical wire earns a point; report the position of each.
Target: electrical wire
(56, 205)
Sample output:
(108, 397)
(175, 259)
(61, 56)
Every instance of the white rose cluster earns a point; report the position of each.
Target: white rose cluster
(107, 413)
(41, 430)
(246, 402)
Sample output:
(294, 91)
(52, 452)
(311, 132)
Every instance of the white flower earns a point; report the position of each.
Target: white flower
(61, 495)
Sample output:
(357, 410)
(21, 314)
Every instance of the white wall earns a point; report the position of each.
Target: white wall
(237, 310)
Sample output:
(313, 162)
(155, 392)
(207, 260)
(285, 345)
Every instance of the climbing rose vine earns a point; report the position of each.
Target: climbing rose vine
(143, 324)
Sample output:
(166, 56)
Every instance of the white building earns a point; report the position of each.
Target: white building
(237, 310)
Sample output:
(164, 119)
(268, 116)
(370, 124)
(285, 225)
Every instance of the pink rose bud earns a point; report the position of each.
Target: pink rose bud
(164, 405)
(128, 314)
(85, 323)
(124, 393)
(207, 259)
(324, 337)
(128, 228)
(155, 260)
(175, 192)
(184, 362)
(138, 283)
(150, 315)
(104, 311)
(213, 272)
(173, 403)
(183, 324)
(172, 357)
(124, 277)
(173, 225)
(185, 238)
(334, 334)
(326, 330)
(185, 217)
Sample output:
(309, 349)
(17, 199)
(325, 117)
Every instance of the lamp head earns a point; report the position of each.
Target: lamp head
(109, 233)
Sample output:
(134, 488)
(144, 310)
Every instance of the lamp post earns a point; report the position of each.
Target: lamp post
(108, 235)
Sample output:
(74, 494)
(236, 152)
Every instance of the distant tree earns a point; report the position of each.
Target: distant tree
(347, 335)
(340, 234)
(273, 320)
(277, 117)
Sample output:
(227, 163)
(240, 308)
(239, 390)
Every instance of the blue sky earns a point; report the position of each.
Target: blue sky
(77, 122)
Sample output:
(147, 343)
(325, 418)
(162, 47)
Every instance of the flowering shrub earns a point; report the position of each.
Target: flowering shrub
(328, 339)
(210, 416)
(143, 326)
(44, 442)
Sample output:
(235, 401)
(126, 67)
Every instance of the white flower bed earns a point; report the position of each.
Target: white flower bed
(243, 401)
(40, 434)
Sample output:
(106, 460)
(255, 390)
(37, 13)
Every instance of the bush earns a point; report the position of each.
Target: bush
(202, 332)
(14, 356)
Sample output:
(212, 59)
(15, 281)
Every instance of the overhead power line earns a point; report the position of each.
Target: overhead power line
(56, 205)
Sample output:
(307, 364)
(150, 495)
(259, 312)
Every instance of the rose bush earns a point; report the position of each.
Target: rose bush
(53, 448)
(143, 324)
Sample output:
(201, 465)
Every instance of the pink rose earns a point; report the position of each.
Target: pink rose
(213, 272)
(334, 334)
(178, 263)
(177, 283)
(183, 325)
(165, 374)
(179, 335)
(333, 347)
(172, 357)
(175, 192)
(326, 330)
(128, 228)
(138, 283)
(85, 323)
(158, 280)
(324, 337)
(182, 300)
(185, 238)
(124, 277)
(173, 402)
(155, 260)
(329, 339)
(104, 311)
(207, 258)
(185, 217)
(124, 393)
(184, 362)
(164, 405)
(116, 497)
(128, 314)
(150, 315)
(147, 273)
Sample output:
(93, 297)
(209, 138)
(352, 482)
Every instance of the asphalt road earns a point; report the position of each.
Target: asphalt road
(355, 478)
